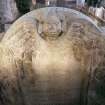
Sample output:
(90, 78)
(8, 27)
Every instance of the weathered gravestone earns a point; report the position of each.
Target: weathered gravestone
(48, 57)
(8, 13)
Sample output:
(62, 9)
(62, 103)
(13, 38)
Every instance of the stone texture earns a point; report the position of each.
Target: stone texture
(1, 35)
(48, 57)
(8, 13)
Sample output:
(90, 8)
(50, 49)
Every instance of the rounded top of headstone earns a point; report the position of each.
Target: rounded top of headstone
(50, 23)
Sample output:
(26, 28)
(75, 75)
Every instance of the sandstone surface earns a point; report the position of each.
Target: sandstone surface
(50, 56)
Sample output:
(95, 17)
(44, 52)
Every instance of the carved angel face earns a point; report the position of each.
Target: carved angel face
(51, 28)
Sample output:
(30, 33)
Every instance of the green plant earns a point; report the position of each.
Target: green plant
(23, 6)
(92, 2)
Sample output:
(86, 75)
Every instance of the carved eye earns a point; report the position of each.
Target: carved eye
(51, 27)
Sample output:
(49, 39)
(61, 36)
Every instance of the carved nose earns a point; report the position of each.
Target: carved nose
(52, 29)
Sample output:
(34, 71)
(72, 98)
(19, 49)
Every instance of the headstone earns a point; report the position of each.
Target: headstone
(52, 56)
(99, 12)
(80, 3)
(8, 12)
(92, 11)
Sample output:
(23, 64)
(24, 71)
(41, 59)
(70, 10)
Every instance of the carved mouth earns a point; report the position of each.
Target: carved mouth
(51, 35)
